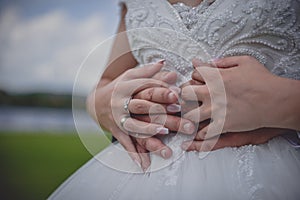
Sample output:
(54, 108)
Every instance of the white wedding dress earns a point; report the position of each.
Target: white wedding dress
(265, 29)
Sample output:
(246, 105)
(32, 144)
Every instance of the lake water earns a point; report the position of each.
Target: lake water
(44, 119)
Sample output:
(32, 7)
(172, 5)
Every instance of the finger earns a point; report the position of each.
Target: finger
(156, 146)
(201, 146)
(136, 126)
(208, 131)
(227, 62)
(225, 140)
(127, 143)
(171, 122)
(166, 76)
(187, 106)
(143, 72)
(199, 114)
(197, 76)
(201, 134)
(197, 63)
(138, 106)
(158, 95)
(195, 93)
(138, 85)
(238, 139)
(191, 82)
(144, 155)
(203, 124)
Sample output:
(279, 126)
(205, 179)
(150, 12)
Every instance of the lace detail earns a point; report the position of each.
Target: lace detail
(266, 30)
(191, 15)
(245, 173)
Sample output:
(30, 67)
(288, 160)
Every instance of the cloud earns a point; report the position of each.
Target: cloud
(45, 52)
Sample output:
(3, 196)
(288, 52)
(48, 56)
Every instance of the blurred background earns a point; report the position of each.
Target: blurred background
(42, 45)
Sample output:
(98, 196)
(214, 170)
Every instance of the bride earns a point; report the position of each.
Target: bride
(203, 83)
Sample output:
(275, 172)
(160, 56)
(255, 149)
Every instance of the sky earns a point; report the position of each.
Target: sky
(43, 42)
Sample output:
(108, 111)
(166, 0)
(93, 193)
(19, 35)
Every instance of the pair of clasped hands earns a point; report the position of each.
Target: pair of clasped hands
(143, 104)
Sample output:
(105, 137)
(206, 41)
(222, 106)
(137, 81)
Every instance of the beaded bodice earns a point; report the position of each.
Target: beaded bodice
(265, 29)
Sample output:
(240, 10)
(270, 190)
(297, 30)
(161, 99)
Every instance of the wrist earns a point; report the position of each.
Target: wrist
(282, 103)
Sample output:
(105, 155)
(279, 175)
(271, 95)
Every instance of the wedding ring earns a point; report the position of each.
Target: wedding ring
(123, 120)
(126, 103)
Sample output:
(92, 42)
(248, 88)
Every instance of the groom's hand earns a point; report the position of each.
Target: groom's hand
(231, 139)
(259, 136)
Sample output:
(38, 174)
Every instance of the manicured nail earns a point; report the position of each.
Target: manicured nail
(162, 61)
(162, 130)
(163, 153)
(175, 89)
(138, 164)
(173, 108)
(188, 127)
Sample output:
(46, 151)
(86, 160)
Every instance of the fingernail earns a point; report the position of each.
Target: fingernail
(162, 61)
(163, 153)
(138, 164)
(175, 89)
(172, 96)
(188, 127)
(162, 130)
(173, 108)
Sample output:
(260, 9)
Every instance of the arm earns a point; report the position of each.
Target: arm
(119, 75)
(98, 102)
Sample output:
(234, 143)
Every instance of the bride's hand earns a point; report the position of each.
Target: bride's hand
(243, 100)
(106, 105)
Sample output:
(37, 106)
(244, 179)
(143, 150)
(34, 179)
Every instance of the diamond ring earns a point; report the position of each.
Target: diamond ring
(126, 103)
(123, 120)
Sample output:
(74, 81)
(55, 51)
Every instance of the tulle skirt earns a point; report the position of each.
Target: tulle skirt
(268, 171)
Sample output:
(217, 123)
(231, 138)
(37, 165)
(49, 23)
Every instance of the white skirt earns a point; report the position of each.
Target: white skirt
(268, 171)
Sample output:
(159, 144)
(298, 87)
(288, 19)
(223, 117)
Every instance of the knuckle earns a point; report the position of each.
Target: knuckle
(165, 94)
(136, 107)
(152, 144)
(142, 141)
(177, 124)
(149, 94)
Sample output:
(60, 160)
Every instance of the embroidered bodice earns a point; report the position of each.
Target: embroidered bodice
(265, 29)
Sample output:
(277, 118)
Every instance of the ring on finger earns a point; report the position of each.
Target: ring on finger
(126, 104)
(123, 120)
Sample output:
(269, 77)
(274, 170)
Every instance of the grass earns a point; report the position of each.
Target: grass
(34, 164)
